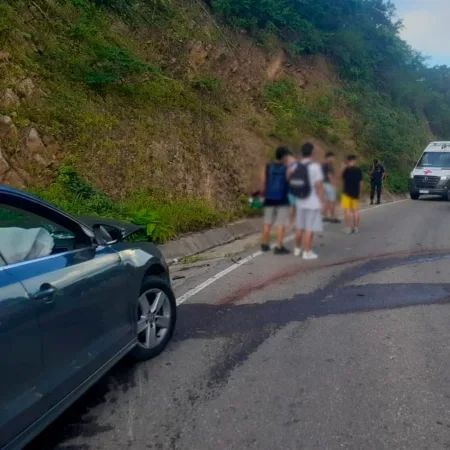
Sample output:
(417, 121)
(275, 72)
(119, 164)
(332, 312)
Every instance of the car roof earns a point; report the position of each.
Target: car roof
(9, 190)
(439, 146)
(37, 200)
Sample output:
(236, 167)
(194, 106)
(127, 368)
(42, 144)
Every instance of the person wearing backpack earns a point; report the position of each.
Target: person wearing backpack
(275, 189)
(306, 184)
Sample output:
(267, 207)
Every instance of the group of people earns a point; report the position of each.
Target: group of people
(303, 193)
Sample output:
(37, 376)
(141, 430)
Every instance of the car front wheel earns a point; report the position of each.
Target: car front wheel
(414, 196)
(155, 318)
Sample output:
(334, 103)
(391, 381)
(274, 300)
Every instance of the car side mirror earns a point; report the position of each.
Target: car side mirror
(101, 236)
(107, 234)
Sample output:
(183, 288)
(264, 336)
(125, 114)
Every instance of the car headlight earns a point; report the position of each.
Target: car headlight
(444, 178)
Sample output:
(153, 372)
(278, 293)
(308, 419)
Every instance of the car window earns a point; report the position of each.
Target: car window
(435, 159)
(25, 236)
(14, 217)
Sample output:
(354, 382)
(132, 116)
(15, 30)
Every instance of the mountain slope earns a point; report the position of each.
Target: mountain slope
(155, 112)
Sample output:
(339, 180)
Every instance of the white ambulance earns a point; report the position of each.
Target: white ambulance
(431, 176)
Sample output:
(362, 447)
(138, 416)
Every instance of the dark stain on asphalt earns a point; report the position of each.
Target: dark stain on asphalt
(76, 420)
(247, 327)
(392, 259)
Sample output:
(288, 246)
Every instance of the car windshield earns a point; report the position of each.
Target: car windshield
(434, 159)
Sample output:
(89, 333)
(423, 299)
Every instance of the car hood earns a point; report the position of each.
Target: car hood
(127, 228)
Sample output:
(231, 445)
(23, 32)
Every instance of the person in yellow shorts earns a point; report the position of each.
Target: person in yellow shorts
(352, 179)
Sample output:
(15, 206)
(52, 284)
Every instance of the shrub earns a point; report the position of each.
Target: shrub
(161, 219)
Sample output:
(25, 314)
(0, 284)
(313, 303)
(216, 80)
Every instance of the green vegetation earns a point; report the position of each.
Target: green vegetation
(161, 219)
(385, 82)
(294, 110)
(149, 134)
(107, 100)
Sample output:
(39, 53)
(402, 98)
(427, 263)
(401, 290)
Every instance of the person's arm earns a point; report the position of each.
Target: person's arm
(289, 171)
(318, 183)
(384, 174)
(320, 190)
(332, 178)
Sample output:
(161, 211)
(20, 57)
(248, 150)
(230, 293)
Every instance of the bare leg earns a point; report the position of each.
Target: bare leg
(280, 236)
(356, 218)
(308, 241)
(298, 239)
(348, 217)
(291, 217)
(266, 234)
(332, 209)
(325, 210)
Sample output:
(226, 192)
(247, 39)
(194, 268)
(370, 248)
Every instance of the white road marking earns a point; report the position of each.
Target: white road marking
(218, 276)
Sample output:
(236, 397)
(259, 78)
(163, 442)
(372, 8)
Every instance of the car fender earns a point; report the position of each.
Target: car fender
(144, 259)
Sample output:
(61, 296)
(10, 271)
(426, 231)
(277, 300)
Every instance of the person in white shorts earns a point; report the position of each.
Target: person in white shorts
(308, 218)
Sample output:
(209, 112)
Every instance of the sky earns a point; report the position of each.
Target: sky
(427, 27)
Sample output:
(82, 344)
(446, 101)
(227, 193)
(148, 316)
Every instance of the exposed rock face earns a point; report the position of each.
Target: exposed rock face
(41, 160)
(26, 88)
(4, 56)
(4, 166)
(33, 141)
(8, 176)
(276, 65)
(9, 98)
(13, 179)
(7, 128)
(197, 55)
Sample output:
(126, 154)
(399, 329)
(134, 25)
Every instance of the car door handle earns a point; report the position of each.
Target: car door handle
(46, 293)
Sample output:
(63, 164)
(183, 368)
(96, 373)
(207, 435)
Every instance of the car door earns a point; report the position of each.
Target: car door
(81, 295)
(21, 359)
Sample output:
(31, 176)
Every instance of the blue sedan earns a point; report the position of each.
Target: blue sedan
(75, 297)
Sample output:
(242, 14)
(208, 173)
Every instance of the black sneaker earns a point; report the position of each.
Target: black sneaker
(265, 248)
(371, 202)
(378, 202)
(281, 251)
(326, 219)
(335, 221)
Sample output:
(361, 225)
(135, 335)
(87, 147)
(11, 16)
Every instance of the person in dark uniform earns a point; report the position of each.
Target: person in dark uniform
(377, 175)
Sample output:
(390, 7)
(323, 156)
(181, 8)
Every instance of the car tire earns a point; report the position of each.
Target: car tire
(414, 196)
(155, 327)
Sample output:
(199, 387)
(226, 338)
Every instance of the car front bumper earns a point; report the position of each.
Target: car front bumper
(442, 188)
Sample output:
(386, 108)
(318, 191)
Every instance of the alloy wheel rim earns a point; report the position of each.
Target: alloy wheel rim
(154, 318)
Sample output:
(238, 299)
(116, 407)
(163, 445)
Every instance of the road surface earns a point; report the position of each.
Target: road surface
(349, 352)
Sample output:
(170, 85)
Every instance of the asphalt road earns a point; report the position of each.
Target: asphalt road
(349, 352)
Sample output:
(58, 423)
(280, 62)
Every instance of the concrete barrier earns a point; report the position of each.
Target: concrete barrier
(195, 243)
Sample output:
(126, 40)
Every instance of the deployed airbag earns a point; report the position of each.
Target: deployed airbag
(20, 244)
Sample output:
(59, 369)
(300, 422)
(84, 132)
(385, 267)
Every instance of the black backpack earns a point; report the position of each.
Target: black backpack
(299, 184)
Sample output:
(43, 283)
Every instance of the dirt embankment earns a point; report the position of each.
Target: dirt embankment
(206, 140)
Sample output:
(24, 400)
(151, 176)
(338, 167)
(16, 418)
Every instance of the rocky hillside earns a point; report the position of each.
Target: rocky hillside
(156, 112)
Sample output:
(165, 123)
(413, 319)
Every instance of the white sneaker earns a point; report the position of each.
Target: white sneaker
(348, 231)
(356, 230)
(298, 252)
(310, 255)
